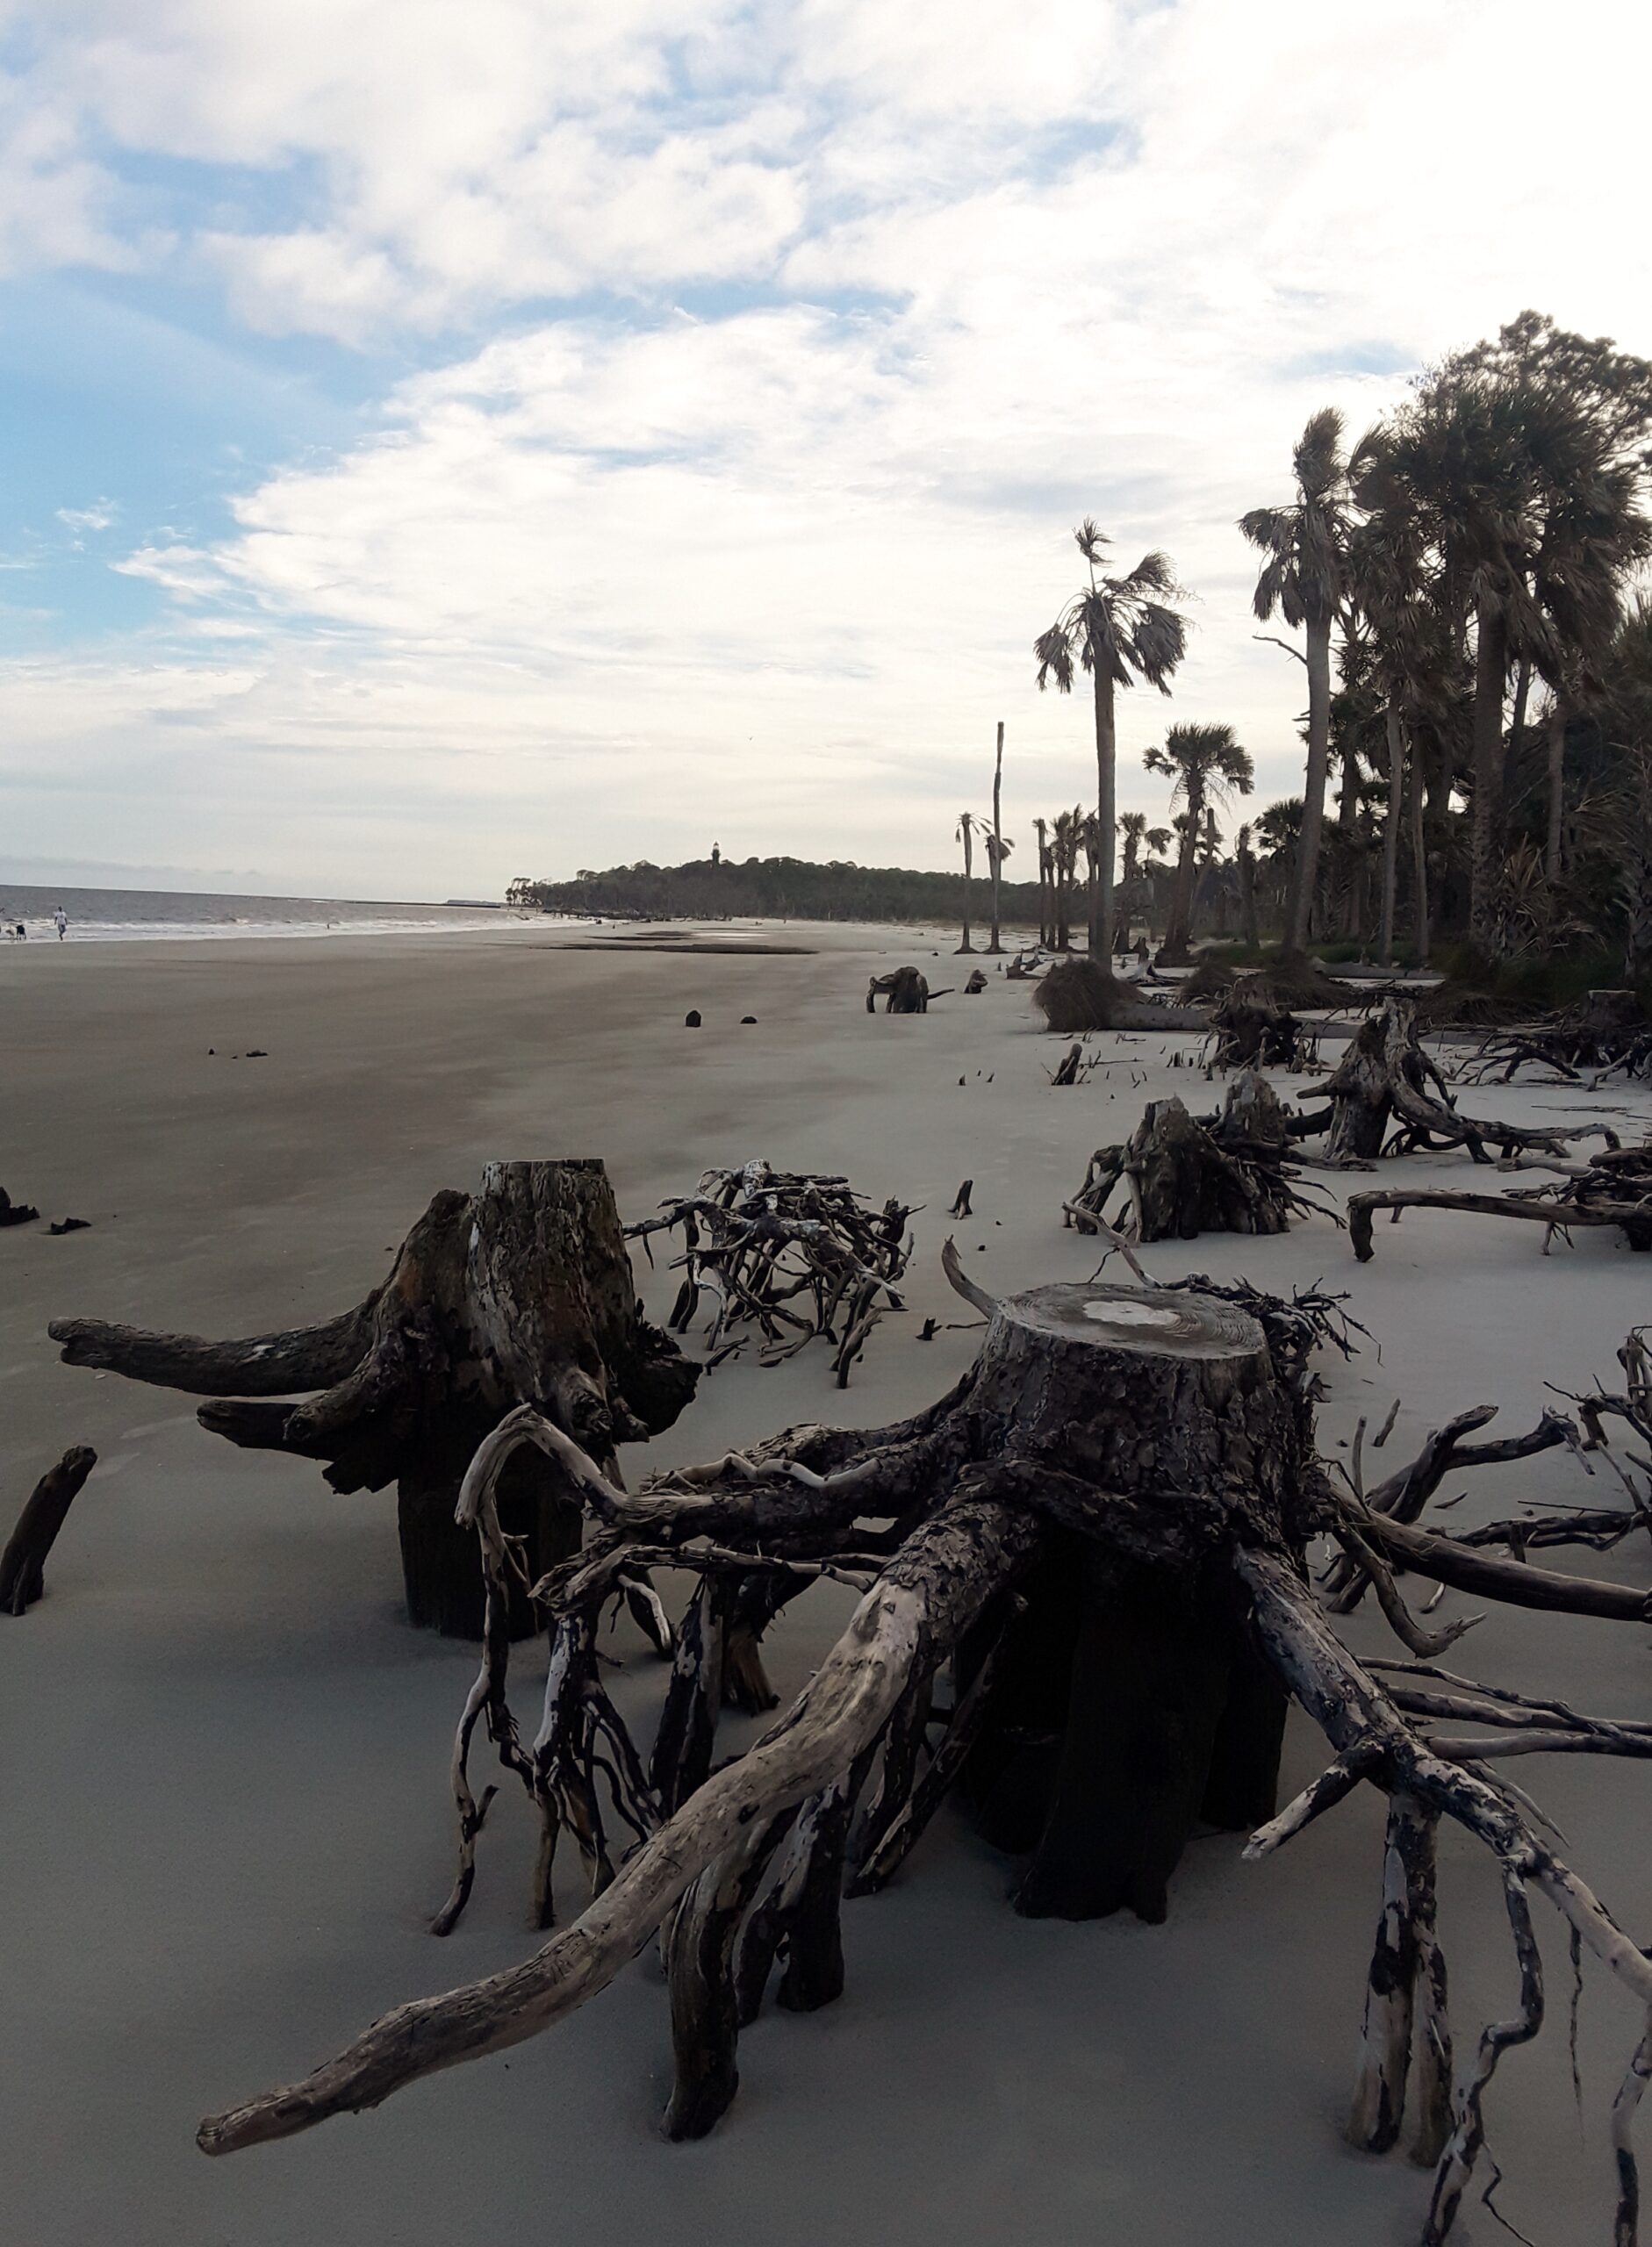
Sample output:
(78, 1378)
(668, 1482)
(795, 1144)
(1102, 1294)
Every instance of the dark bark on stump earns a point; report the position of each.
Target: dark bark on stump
(520, 1294)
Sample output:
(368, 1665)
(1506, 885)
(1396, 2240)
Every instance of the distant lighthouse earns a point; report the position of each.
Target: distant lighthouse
(716, 855)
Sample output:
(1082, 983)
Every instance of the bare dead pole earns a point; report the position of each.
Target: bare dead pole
(1182, 1176)
(995, 840)
(784, 1258)
(521, 1292)
(46, 1510)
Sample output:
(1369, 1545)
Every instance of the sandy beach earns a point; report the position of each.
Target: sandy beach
(225, 1752)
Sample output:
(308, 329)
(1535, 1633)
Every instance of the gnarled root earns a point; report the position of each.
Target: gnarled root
(930, 1591)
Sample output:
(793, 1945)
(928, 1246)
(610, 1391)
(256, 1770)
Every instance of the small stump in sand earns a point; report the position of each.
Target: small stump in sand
(521, 1293)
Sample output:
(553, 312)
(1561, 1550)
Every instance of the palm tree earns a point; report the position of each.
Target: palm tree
(1301, 578)
(1064, 850)
(1132, 825)
(1530, 487)
(967, 823)
(1118, 629)
(1206, 763)
(1041, 828)
(1245, 866)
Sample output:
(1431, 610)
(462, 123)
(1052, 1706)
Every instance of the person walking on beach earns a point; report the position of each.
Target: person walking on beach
(60, 921)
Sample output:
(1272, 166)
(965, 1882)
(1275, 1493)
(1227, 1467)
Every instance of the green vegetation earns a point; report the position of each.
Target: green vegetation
(787, 889)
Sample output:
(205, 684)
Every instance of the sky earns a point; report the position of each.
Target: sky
(441, 442)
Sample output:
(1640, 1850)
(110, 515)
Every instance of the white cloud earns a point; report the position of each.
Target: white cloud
(101, 515)
(965, 273)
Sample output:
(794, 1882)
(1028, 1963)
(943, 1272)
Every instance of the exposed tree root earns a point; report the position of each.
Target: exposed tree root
(1183, 1175)
(521, 1292)
(1103, 1526)
(788, 1256)
(1386, 1080)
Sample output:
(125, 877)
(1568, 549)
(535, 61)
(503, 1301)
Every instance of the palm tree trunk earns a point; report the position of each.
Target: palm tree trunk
(1180, 931)
(1490, 674)
(1512, 742)
(1246, 868)
(1313, 800)
(1420, 858)
(1106, 760)
(1044, 883)
(1556, 791)
(964, 830)
(998, 833)
(1391, 830)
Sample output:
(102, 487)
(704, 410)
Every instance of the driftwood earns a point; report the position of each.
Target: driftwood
(904, 990)
(976, 984)
(1103, 1526)
(1251, 1029)
(16, 1213)
(22, 1563)
(786, 1256)
(1386, 1080)
(1183, 1175)
(1613, 1188)
(521, 1293)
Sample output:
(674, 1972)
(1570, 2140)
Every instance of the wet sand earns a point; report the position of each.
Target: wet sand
(225, 1754)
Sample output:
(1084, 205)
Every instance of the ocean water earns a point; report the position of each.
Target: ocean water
(104, 915)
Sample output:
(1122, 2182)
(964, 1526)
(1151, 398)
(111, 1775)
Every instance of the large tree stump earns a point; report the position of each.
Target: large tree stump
(1135, 1471)
(1127, 1667)
(520, 1294)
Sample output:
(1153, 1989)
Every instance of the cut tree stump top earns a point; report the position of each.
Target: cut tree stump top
(1145, 1322)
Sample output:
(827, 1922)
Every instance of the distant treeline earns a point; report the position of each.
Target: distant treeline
(796, 889)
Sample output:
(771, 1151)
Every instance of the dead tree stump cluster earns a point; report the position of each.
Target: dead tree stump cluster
(1181, 1175)
(1386, 1080)
(1101, 1529)
(786, 1256)
(519, 1293)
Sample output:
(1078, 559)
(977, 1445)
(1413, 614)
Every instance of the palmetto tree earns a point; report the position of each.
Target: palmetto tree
(1064, 833)
(1118, 629)
(1245, 869)
(1132, 825)
(1302, 579)
(1519, 462)
(1207, 765)
(1040, 828)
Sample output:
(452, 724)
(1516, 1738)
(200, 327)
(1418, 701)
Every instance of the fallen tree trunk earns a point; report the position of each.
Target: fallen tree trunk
(1604, 1196)
(521, 1293)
